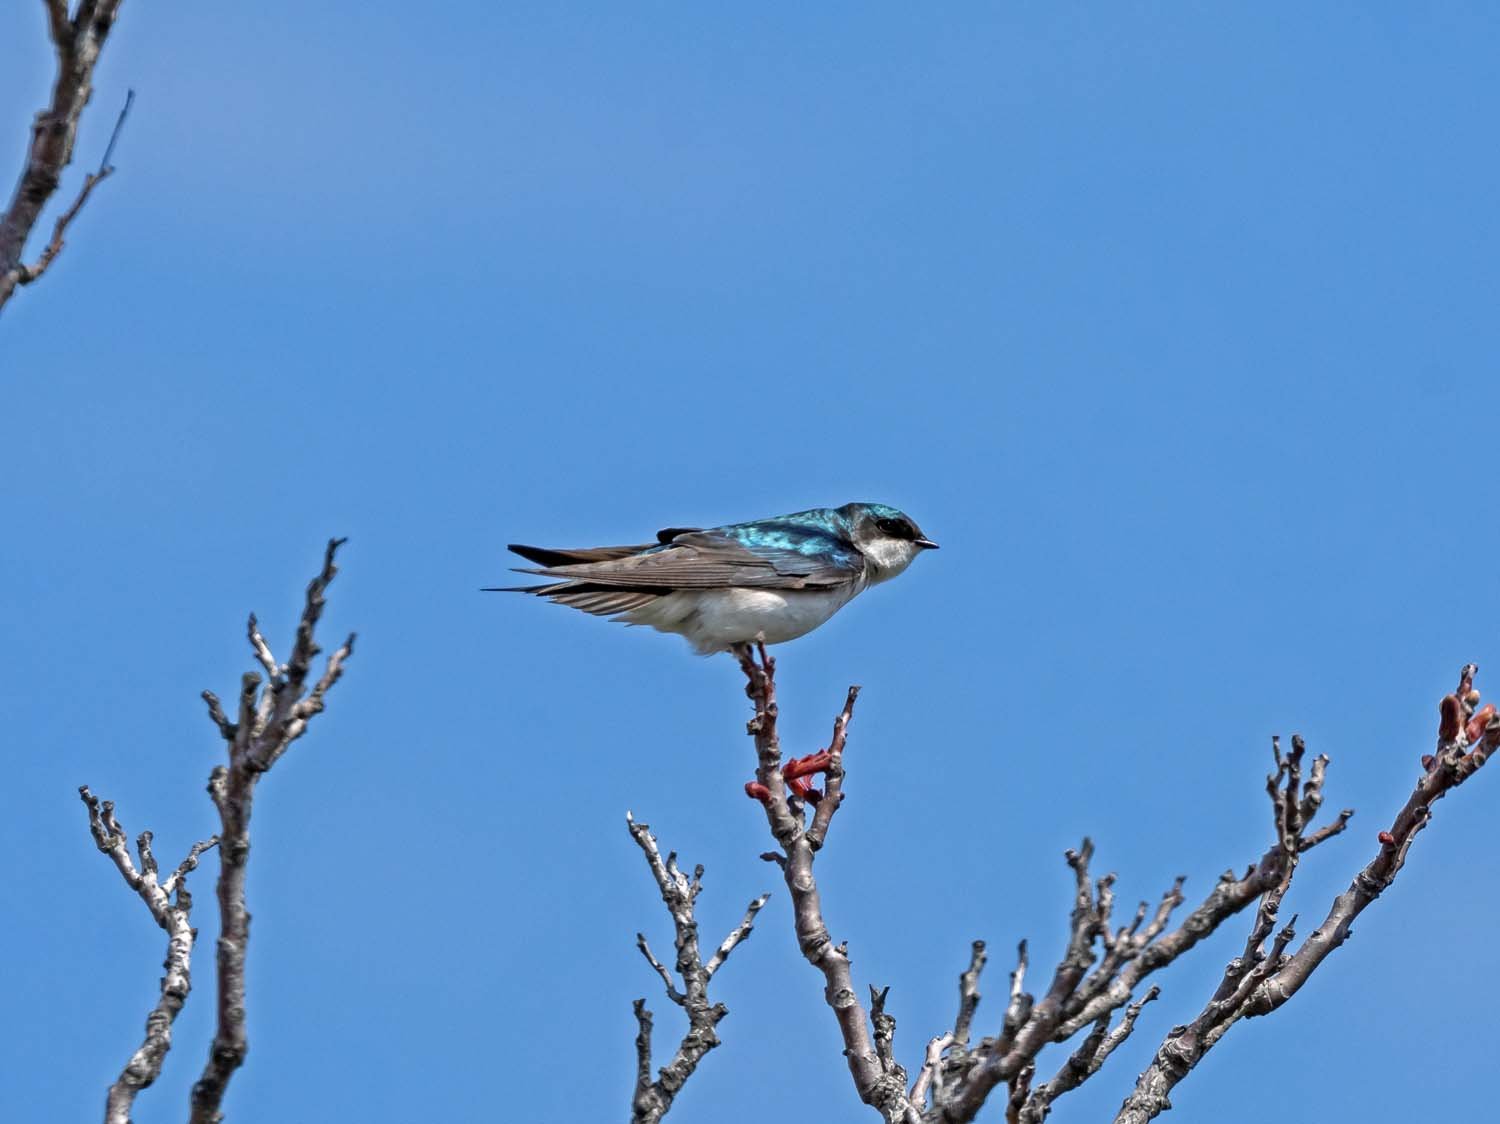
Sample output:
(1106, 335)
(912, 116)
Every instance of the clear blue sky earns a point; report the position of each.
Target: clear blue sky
(1175, 325)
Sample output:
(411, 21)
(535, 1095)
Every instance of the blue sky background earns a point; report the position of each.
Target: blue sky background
(1173, 324)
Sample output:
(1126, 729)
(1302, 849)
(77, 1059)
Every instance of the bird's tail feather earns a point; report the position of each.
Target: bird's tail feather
(601, 600)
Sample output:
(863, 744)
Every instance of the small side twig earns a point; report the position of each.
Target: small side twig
(1084, 1062)
(26, 274)
(931, 1073)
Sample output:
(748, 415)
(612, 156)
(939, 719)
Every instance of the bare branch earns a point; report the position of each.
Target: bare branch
(306, 647)
(313, 704)
(26, 274)
(736, 935)
(77, 43)
(218, 717)
(1327, 831)
(60, 24)
(1259, 982)
(782, 792)
(885, 1029)
(643, 1087)
(1018, 1091)
(1018, 1010)
(1143, 953)
(171, 908)
(931, 1071)
(968, 994)
(262, 650)
(1084, 1062)
(1077, 998)
(1025, 1034)
(283, 709)
(829, 803)
(955, 1078)
(661, 970)
(653, 1099)
(1102, 965)
(270, 719)
(189, 864)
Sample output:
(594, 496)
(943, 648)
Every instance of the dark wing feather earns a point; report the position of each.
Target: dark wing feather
(549, 556)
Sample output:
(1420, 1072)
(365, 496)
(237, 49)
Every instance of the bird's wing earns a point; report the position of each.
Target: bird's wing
(719, 559)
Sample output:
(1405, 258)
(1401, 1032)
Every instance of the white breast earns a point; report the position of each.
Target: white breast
(716, 619)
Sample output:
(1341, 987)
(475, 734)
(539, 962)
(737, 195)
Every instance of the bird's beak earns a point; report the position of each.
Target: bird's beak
(926, 544)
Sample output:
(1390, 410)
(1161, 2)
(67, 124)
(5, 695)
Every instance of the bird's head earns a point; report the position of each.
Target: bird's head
(889, 539)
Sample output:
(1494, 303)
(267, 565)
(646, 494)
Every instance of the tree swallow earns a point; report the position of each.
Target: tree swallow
(770, 580)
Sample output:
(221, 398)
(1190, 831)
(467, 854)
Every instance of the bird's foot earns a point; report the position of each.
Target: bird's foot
(760, 677)
(746, 651)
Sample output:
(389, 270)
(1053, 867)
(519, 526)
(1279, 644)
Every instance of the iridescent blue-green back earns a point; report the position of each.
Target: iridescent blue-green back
(813, 541)
(820, 534)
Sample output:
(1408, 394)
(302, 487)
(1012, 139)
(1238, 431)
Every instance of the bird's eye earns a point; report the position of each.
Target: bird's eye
(896, 528)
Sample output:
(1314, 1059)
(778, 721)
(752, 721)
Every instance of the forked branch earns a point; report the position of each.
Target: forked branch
(270, 717)
(784, 792)
(1093, 985)
(269, 720)
(171, 907)
(654, 1096)
(1261, 980)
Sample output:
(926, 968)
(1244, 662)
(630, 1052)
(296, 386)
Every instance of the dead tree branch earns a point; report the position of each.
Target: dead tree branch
(171, 908)
(269, 719)
(1260, 981)
(77, 41)
(784, 792)
(1099, 972)
(680, 893)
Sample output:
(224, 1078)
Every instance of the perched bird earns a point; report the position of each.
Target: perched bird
(770, 580)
